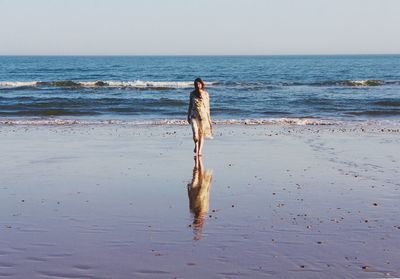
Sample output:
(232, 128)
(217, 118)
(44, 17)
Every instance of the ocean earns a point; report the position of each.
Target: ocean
(243, 89)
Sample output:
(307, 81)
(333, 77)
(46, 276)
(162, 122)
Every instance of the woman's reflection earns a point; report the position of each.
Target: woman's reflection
(199, 195)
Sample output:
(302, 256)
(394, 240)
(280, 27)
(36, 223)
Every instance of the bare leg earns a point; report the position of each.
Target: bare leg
(195, 136)
(201, 143)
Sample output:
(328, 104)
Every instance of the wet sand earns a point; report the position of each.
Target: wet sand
(265, 202)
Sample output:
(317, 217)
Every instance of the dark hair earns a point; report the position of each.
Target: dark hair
(196, 81)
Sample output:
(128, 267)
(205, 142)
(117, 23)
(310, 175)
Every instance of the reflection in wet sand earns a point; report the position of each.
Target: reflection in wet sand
(199, 195)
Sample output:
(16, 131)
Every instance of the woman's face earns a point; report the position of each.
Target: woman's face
(199, 85)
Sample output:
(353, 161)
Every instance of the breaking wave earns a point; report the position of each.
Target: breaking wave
(270, 121)
(367, 82)
(100, 83)
(180, 122)
(160, 85)
(327, 83)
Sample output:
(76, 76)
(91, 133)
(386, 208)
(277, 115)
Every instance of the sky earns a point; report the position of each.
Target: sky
(194, 27)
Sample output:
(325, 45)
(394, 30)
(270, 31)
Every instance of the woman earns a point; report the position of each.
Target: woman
(199, 115)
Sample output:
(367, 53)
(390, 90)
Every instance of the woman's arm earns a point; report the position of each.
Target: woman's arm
(208, 110)
(190, 108)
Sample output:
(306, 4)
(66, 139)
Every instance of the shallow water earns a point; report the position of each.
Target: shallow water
(113, 202)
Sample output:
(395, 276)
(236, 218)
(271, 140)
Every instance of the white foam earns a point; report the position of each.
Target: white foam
(114, 83)
(283, 121)
(271, 121)
(17, 83)
(145, 84)
(366, 82)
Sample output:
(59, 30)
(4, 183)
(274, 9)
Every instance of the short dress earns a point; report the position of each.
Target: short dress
(200, 115)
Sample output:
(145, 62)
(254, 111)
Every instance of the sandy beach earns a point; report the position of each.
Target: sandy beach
(269, 201)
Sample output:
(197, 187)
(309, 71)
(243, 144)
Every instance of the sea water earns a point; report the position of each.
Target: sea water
(155, 89)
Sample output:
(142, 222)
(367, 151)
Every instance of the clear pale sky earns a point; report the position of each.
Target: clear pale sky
(181, 27)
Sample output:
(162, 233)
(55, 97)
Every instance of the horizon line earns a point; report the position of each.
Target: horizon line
(200, 55)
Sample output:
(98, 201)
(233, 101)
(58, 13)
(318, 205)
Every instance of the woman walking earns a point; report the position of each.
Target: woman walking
(199, 115)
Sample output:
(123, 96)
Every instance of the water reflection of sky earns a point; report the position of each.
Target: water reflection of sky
(282, 200)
